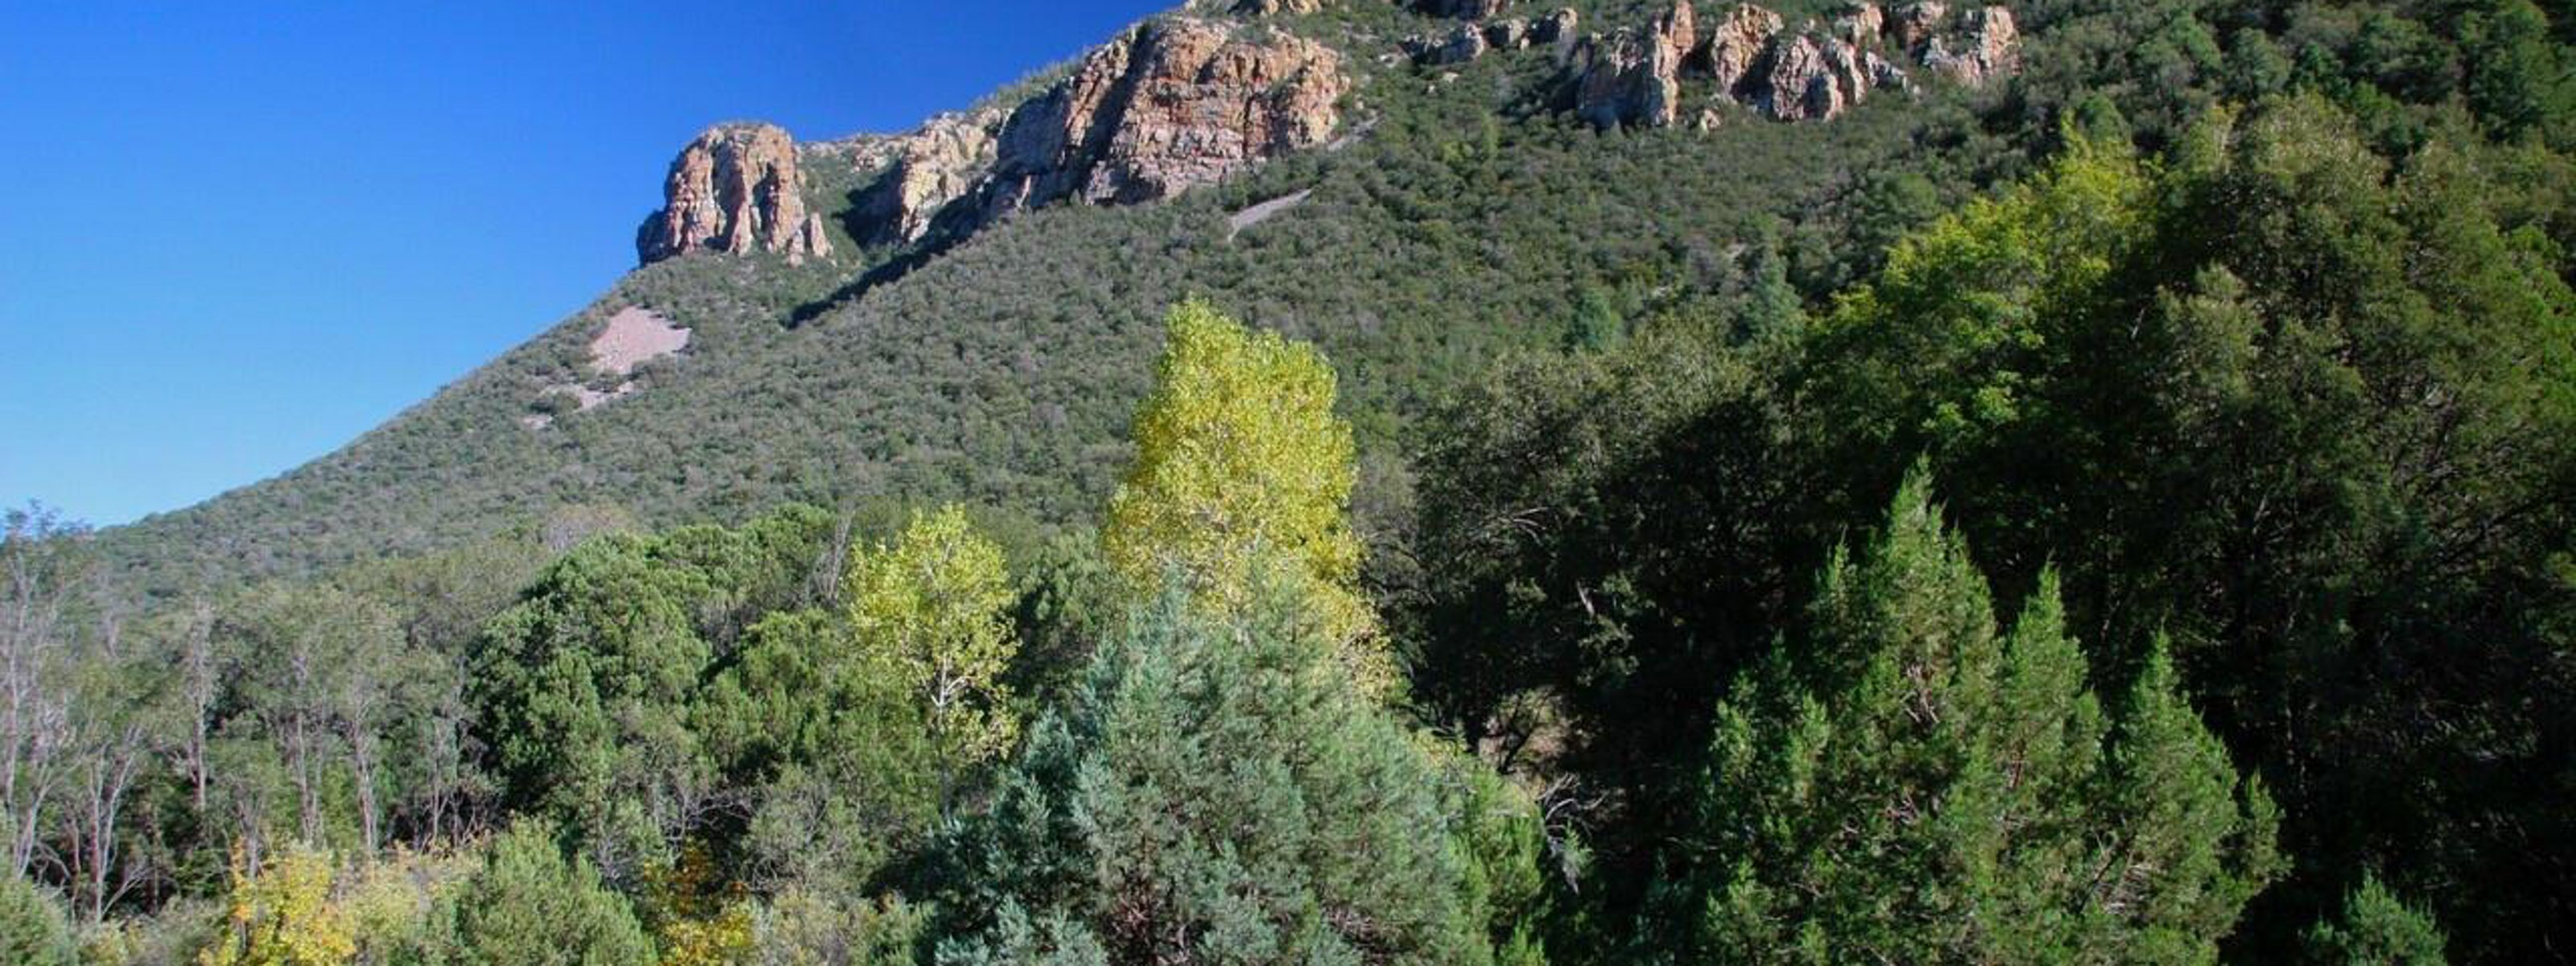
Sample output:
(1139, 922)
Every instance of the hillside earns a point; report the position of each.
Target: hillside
(1440, 482)
(1460, 211)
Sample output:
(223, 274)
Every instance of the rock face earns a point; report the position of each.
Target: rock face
(1633, 79)
(1916, 23)
(1177, 102)
(1627, 79)
(1990, 47)
(1861, 25)
(1815, 72)
(735, 189)
(928, 169)
(1736, 45)
(1466, 43)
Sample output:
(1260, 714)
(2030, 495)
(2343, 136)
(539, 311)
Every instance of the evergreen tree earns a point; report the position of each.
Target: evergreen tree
(1217, 792)
(1914, 785)
(2376, 929)
(529, 905)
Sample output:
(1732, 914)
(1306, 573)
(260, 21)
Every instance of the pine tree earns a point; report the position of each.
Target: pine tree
(2376, 929)
(1915, 786)
(529, 905)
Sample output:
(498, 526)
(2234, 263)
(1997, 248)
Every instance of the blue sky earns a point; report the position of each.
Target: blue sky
(234, 236)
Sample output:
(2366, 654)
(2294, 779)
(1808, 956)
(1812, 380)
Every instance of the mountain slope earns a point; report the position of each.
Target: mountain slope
(1463, 211)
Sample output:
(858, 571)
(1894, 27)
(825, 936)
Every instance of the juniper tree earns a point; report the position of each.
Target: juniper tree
(1912, 783)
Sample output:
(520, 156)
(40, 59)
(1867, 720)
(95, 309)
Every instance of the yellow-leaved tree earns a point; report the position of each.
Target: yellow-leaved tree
(931, 607)
(1243, 474)
(282, 914)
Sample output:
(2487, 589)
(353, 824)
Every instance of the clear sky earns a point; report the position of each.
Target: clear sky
(233, 236)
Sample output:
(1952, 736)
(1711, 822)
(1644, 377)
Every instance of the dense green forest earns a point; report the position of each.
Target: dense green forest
(2125, 514)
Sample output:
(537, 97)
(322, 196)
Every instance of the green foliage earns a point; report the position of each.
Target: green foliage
(1216, 792)
(2375, 929)
(586, 685)
(33, 929)
(803, 928)
(530, 905)
(1914, 785)
(834, 754)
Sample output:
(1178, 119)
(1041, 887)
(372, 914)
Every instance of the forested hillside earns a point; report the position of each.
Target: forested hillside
(2119, 509)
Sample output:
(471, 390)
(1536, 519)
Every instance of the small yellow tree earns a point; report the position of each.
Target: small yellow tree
(1243, 474)
(931, 606)
(282, 915)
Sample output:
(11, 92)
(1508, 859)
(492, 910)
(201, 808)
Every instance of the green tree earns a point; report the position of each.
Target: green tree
(1915, 785)
(33, 928)
(2375, 928)
(834, 754)
(586, 688)
(1242, 469)
(1217, 792)
(530, 905)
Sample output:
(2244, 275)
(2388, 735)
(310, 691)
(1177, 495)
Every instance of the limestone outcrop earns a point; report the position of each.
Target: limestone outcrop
(735, 189)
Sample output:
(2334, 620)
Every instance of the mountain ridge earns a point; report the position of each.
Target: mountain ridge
(789, 303)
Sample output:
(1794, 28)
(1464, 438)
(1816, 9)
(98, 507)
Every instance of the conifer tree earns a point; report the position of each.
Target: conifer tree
(1915, 786)
(1216, 792)
(2376, 929)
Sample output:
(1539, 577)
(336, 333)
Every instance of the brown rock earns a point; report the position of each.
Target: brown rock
(1860, 25)
(1916, 23)
(929, 168)
(1990, 48)
(1736, 45)
(1174, 103)
(1627, 79)
(734, 189)
(1801, 85)
(1678, 28)
(1843, 63)
(1469, 9)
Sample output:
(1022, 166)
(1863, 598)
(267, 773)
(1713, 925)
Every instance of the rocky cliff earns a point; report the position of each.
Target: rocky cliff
(734, 189)
(1177, 102)
(1814, 71)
